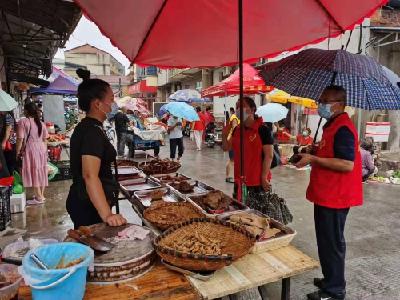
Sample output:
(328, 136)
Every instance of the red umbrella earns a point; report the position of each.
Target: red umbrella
(204, 33)
(208, 33)
(252, 84)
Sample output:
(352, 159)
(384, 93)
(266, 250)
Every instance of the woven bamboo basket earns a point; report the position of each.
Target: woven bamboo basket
(236, 241)
(177, 212)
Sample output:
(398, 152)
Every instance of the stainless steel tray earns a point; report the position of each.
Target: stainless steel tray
(199, 189)
(142, 199)
(139, 184)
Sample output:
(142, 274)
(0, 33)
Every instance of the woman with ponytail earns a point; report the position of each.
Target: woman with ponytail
(94, 190)
(32, 149)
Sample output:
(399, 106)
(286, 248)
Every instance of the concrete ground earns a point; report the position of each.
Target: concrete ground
(372, 231)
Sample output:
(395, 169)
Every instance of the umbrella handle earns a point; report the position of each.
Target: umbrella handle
(316, 133)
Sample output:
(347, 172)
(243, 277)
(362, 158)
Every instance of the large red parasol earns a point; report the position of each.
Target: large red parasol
(204, 33)
(209, 33)
(252, 84)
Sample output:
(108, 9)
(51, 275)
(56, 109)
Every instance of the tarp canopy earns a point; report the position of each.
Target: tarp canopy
(62, 85)
(252, 84)
(204, 33)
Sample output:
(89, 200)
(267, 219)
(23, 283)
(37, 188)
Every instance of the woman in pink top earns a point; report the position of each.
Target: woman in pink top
(31, 147)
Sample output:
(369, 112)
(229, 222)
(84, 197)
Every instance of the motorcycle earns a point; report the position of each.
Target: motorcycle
(210, 135)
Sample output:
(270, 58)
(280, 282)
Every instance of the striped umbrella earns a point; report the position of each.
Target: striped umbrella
(309, 72)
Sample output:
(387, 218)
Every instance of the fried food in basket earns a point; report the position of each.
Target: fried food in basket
(207, 238)
(256, 225)
(197, 243)
(165, 214)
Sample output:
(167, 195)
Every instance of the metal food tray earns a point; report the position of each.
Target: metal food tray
(159, 177)
(138, 184)
(142, 200)
(199, 189)
(126, 170)
(233, 207)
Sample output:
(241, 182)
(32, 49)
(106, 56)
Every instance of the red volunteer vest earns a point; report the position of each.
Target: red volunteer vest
(253, 154)
(331, 188)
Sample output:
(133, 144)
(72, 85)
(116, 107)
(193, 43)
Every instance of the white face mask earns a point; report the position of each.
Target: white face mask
(245, 114)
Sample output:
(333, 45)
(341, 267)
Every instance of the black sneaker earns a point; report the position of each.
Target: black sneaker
(319, 283)
(319, 295)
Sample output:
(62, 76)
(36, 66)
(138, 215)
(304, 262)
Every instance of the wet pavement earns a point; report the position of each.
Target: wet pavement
(372, 231)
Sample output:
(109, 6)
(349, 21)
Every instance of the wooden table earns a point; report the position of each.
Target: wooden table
(158, 283)
(253, 270)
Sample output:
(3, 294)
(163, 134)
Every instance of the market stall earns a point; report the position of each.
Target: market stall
(190, 226)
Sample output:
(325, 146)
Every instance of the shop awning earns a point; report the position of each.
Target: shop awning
(252, 84)
(141, 87)
(31, 32)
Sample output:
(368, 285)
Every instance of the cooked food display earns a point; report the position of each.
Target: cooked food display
(255, 224)
(197, 243)
(165, 214)
(126, 163)
(203, 244)
(214, 200)
(156, 194)
(159, 166)
(167, 179)
(183, 186)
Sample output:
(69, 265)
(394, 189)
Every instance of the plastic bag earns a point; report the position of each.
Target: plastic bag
(18, 187)
(52, 170)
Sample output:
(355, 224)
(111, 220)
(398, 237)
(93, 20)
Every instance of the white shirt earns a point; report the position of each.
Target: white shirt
(175, 133)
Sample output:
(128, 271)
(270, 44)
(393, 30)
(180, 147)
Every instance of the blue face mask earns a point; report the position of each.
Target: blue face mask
(324, 110)
(113, 112)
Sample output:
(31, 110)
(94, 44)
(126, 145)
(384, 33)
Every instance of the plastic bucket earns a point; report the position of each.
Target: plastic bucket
(59, 284)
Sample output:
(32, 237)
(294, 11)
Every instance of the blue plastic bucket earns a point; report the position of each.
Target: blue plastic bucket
(58, 284)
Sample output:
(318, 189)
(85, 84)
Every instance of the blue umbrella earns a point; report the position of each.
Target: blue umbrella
(200, 100)
(182, 110)
(162, 110)
(272, 112)
(186, 95)
(309, 72)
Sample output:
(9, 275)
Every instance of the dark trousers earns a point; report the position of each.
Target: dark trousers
(11, 159)
(329, 228)
(121, 142)
(173, 144)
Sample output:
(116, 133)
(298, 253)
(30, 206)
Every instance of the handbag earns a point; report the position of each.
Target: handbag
(269, 204)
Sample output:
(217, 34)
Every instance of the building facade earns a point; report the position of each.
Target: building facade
(97, 61)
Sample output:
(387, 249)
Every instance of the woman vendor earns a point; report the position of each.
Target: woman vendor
(258, 155)
(94, 189)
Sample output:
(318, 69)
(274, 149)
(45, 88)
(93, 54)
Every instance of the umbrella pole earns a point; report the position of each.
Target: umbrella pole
(242, 193)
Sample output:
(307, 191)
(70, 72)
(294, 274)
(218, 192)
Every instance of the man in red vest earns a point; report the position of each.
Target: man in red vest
(335, 186)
